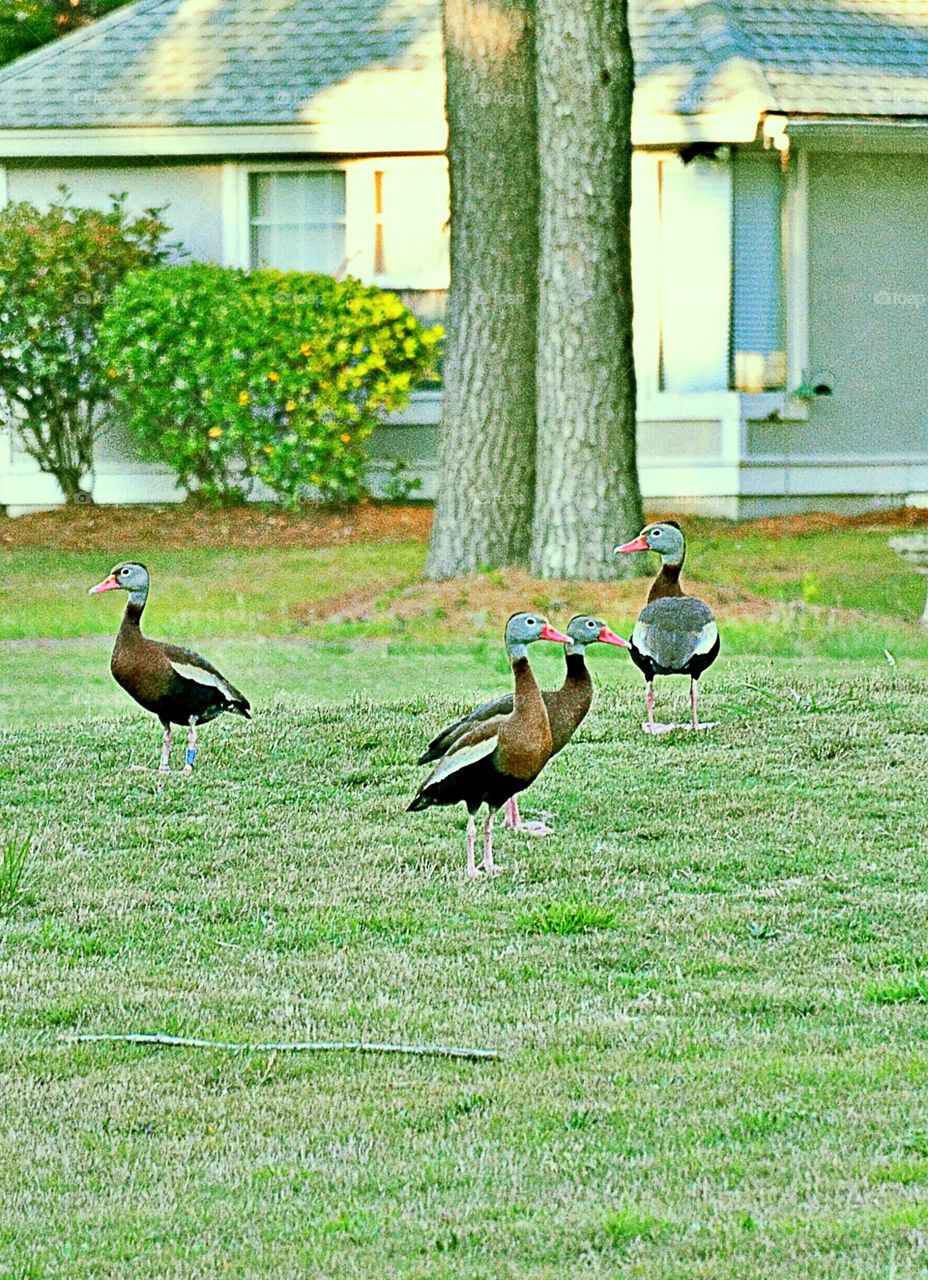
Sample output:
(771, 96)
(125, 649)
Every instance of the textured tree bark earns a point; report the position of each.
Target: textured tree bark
(483, 514)
(587, 494)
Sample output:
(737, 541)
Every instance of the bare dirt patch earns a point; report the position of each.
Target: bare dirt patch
(482, 602)
(175, 527)
(811, 522)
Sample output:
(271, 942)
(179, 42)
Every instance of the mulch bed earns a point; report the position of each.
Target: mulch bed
(176, 527)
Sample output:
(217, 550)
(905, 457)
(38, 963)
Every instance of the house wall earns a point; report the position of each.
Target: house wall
(192, 192)
(867, 340)
(856, 319)
(687, 447)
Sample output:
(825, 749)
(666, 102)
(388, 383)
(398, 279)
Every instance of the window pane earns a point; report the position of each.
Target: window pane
(695, 263)
(298, 197)
(298, 221)
(758, 329)
(291, 247)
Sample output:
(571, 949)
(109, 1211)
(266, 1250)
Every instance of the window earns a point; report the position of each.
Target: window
(298, 221)
(758, 327)
(384, 221)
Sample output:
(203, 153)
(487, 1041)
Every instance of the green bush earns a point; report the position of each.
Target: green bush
(230, 376)
(58, 269)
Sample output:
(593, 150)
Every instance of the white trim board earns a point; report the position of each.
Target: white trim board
(369, 136)
(361, 138)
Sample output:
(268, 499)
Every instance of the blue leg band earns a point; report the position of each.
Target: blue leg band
(190, 755)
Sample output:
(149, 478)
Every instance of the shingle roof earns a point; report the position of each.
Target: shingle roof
(232, 62)
(266, 62)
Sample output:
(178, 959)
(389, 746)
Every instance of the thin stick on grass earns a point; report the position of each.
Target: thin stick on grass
(298, 1046)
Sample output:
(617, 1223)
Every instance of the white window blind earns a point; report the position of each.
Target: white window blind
(298, 221)
(695, 275)
(758, 328)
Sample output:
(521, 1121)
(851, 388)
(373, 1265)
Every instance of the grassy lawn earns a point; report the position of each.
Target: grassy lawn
(708, 986)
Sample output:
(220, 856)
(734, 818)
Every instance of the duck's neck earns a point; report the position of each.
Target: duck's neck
(577, 672)
(667, 582)
(526, 694)
(132, 618)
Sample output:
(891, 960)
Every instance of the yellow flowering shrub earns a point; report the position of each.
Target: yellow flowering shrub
(231, 376)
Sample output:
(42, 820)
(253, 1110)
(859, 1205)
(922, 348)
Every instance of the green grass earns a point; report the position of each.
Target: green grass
(199, 591)
(715, 1058)
(564, 918)
(61, 681)
(204, 593)
(852, 568)
(708, 986)
(14, 855)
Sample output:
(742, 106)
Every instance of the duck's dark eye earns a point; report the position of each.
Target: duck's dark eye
(123, 573)
(590, 622)
(530, 622)
(655, 533)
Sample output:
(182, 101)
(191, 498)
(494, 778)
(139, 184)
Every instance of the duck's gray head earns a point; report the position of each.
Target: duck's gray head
(584, 629)
(523, 629)
(128, 575)
(665, 537)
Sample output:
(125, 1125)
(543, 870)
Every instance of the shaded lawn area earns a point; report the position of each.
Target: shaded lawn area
(708, 987)
(836, 591)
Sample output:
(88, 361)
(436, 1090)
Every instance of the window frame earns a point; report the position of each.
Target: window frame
(361, 216)
(255, 222)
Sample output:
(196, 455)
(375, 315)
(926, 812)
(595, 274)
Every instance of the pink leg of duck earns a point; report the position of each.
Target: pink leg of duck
(165, 765)
(472, 871)
(515, 820)
(489, 868)
(651, 725)
(694, 699)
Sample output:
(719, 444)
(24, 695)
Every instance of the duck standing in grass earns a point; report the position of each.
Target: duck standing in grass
(675, 634)
(566, 707)
(175, 684)
(496, 758)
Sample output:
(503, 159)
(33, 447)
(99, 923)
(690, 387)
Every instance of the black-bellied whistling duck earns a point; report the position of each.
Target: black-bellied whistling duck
(675, 634)
(175, 684)
(566, 706)
(496, 758)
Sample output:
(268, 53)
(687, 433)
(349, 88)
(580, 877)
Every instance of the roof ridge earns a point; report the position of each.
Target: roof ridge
(48, 52)
(738, 41)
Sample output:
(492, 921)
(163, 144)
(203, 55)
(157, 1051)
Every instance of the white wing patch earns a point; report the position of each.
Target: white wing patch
(640, 638)
(707, 638)
(189, 671)
(460, 759)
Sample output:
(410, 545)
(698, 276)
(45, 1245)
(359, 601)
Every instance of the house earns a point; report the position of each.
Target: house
(780, 202)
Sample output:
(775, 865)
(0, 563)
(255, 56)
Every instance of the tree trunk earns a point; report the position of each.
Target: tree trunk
(587, 494)
(483, 514)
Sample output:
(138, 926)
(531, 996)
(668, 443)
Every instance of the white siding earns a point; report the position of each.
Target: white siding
(193, 194)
